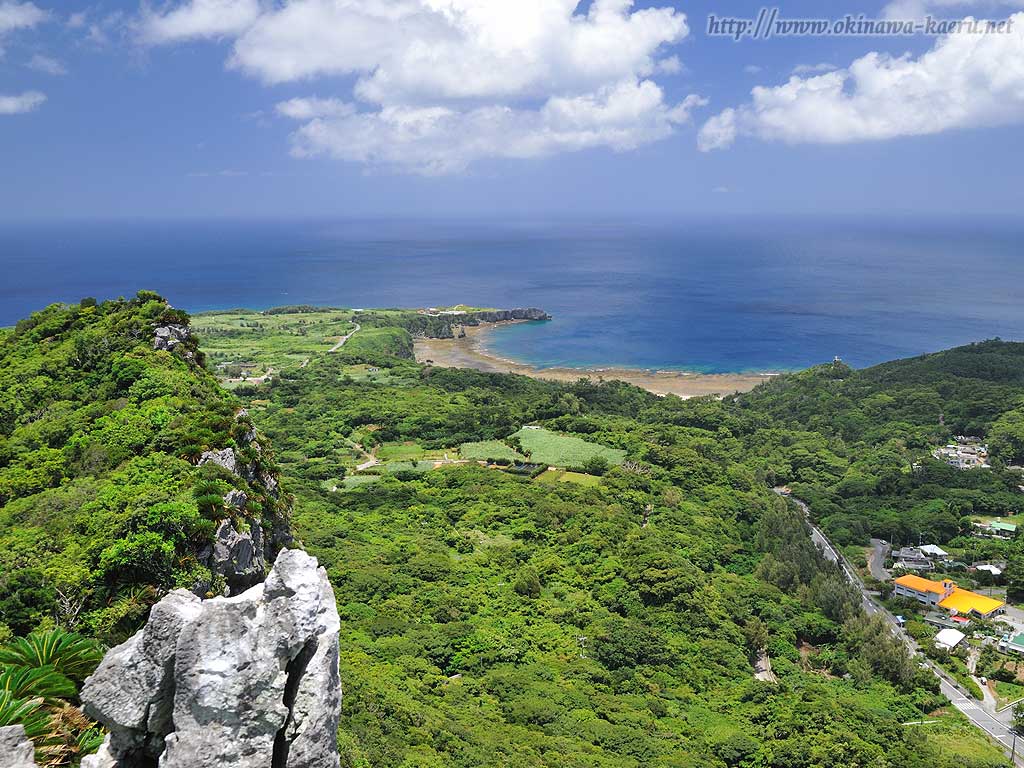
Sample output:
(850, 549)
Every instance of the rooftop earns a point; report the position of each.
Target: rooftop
(920, 584)
(965, 601)
(949, 638)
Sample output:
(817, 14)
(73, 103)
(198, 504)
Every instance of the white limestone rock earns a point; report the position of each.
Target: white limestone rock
(252, 683)
(168, 337)
(16, 751)
(225, 458)
(239, 555)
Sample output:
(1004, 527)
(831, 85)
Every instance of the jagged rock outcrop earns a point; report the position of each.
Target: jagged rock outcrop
(16, 751)
(170, 336)
(225, 458)
(239, 556)
(248, 681)
(247, 541)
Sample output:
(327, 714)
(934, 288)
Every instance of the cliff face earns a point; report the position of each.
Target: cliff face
(504, 315)
(248, 681)
(443, 327)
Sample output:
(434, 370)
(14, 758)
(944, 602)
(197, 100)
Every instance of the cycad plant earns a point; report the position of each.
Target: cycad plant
(27, 712)
(67, 653)
(36, 682)
(40, 677)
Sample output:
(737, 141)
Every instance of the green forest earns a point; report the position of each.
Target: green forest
(607, 615)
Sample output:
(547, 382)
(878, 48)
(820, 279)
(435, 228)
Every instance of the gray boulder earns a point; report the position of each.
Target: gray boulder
(236, 499)
(248, 681)
(170, 336)
(239, 555)
(16, 751)
(225, 458)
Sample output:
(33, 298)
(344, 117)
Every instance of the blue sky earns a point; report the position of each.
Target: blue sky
(311, 108)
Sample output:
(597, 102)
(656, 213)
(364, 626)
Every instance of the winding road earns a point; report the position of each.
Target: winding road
(876, 560)
(346, 337)
(997, 726)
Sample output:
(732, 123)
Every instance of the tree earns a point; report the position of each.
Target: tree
(528, 582)
(1007, 437)
(1018, 717)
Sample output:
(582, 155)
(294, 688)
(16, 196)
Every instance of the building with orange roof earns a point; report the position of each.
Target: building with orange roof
(967, 603)
(947, 595)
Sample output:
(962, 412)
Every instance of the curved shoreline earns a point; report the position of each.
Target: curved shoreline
(472, 352)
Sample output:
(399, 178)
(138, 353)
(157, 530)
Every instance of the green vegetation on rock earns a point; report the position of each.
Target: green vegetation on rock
(104, 501)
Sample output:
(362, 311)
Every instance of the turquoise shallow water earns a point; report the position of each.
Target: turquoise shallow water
(717, 296)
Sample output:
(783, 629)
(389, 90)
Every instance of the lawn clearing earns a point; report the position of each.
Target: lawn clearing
(354, 481)
(1007, 693)
(489, 450)
(408, 451)
(408, 466)
(546, 447)
(579, 478)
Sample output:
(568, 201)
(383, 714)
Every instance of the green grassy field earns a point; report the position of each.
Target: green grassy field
(250, 342)
(546, 447)
(553, 476)
(948, 735)
(354, 481)
(1007, 693)
(408, 466)
(489, 449)
(410, 451)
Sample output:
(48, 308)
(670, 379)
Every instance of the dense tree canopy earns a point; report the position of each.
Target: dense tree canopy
(490, 617)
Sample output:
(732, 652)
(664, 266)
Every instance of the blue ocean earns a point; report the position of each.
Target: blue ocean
(712, 296)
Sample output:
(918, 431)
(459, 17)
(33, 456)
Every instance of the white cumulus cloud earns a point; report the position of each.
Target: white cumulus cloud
(440, 83)
(966, 80)
(313, 107)
(25, 102)
(813, 69)
(15, 15)
(433, 140)
(199, 19)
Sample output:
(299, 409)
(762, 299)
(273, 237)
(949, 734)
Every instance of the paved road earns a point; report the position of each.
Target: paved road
(343, 339)
(969, 706)
(876, 560)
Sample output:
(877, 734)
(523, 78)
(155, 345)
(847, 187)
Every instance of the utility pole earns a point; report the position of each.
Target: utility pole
(582, 640)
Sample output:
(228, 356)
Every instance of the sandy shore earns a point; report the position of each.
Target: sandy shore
(472, 352)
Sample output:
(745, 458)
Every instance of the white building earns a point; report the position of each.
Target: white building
(948, 639)
(931, 550)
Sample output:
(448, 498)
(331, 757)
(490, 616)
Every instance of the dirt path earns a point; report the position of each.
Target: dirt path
(344, 339)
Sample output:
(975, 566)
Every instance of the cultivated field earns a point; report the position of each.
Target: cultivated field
(246, 344)
(489, 449)
(546, 447)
